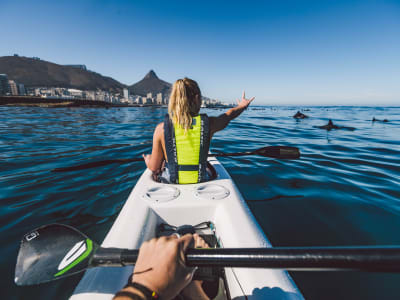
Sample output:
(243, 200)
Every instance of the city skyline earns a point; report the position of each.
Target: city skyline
(291, 53)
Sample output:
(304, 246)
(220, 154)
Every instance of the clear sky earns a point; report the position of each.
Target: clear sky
(282, 52)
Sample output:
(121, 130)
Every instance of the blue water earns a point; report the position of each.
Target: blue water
(343, 191)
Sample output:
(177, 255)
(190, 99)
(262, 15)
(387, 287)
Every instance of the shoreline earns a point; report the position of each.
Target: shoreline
(31, 101)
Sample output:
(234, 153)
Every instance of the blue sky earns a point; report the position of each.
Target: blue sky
(282, 52)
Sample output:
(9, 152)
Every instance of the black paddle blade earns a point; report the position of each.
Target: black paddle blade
(282, 152)
(51, 252)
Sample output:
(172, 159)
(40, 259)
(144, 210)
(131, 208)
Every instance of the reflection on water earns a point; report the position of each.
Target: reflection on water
(343, 191)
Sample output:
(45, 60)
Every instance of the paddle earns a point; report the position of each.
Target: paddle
(55, 251)
(281, 152)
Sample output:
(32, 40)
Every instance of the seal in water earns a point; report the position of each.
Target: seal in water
(300, 115)
(331, 126)
(377, 120)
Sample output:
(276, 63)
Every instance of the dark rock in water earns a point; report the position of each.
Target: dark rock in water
(331, 126)
(300, 115)
(377, 120)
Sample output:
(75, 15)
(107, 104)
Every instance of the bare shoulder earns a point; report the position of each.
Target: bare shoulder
(212, 120)
(159, 131)
(218, 123)
(160, 126)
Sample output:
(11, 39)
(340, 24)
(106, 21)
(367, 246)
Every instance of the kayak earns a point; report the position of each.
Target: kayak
(217, 202)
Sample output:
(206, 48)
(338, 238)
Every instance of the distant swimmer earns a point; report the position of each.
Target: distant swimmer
(331, 126)
(300, 115)
(377, 120)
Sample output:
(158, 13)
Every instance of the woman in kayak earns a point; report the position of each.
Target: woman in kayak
(181, 142)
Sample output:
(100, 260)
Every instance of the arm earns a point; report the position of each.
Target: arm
(161, 268)
(194, 290)
(155, 159)
(220, 122)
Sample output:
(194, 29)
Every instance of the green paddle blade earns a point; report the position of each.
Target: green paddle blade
(282, 152)
(50, 252)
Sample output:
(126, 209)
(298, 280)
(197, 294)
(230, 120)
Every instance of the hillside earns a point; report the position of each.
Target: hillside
(150, 84)
(40, 73)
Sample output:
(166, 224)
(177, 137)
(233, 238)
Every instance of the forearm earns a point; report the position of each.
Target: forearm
(129, 293)
(153, 164)
(234, 112)
(194, 291)
(224, 119)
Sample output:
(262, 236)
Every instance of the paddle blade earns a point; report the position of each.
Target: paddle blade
(282, 152)
(51, 252)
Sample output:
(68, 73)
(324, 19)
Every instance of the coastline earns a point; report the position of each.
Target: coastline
(32, 101)
(46, 102)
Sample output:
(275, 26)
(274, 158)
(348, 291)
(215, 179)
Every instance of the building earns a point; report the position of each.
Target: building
(90, 95)
(75, 93)
(82, 67)
(149, 95)
(21, 89)
(159, 99)
(147, 100)
(13, 87)
(4, 89)
(134, 98)
(126, 94)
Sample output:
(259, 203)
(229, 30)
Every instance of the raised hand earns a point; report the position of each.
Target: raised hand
(244, 103)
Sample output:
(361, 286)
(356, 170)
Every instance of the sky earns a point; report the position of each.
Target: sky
(281, 52)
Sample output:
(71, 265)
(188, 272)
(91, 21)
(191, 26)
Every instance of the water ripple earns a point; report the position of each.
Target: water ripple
(343, 191)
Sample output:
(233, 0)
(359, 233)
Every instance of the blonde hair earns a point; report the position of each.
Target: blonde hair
(183, 104)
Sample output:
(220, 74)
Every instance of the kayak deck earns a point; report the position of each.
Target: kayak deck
(219, 201)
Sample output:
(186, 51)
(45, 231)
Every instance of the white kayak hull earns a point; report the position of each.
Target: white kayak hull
(151, 203)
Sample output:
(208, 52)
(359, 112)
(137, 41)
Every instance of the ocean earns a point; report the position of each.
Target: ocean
(344, 190)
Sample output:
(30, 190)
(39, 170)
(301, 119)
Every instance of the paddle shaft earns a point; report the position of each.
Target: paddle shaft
(375, 259)
(55, 251)
(280, 152)
(232, 154)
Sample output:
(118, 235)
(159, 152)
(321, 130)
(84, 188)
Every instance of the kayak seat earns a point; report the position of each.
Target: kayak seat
(213, 278)
(210, 170)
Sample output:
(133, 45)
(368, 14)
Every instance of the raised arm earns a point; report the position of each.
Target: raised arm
(220, 122)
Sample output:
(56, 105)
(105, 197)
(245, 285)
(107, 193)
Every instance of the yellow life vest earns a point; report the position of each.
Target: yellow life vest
(187, 153)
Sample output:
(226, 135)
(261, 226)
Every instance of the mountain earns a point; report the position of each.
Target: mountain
(150, 84)
(39, 73)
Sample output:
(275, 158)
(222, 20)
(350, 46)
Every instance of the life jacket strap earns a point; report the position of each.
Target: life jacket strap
(170, 148)
(204, 147)
(188, 167)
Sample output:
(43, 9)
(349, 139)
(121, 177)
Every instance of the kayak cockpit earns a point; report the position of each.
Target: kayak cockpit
(151, 204)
